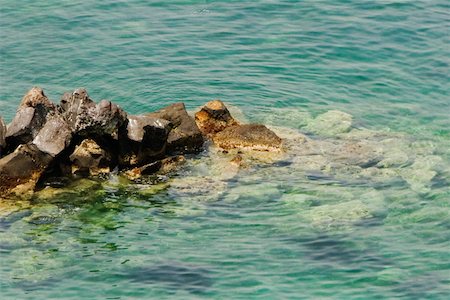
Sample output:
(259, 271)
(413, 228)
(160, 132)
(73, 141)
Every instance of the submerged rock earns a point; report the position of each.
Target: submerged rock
(250, 136)
(90, 159)
(86, 118)
(162, 166)
(214, 117)
(330, 123)
(145, 140)
(185, 137)
(30, 117)
(2, 136)
(21, 170)
(330, 216)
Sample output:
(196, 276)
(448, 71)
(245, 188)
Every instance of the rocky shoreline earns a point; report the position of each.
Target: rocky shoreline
(49, 144)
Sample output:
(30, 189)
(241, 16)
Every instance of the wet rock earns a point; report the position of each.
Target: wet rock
(86, 118)
(54, 136)
(171, 164)
(145, 140)
(2, 136)
(21, 170)
(330, 123)
(90, 159)
(162, 166)
(185, 137)
(214, 117)
(29, 119)
(249, 136)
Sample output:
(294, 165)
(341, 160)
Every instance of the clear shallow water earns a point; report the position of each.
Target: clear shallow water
(273, 232)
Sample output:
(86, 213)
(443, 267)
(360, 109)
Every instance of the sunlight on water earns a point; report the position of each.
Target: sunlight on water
(356, 207)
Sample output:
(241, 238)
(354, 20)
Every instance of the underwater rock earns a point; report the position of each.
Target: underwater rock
(185, 137)
(285, 117)
(90, 159)
(145, 140)
(21, 169)
(329, 216)
(2, 136)
(361, 153)
(421, 173)
(330, 123)
(30, 117)
(86, 118)
(250, 136)
(54, 136)
(197, 189)
(75, 189)
(162, 166)
(214, 117)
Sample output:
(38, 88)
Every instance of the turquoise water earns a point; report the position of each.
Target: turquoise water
(270, 231)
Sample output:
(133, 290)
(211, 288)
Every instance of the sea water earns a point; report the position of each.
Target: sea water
(271, 230)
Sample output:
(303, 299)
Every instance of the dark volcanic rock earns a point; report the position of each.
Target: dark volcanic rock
(185, 137)
(54, 136)
(250, 136)
(214, 117)
(90, 159)
(2, 136)
(30, 117)
(21, 170)
(145, 140)
(87, 119)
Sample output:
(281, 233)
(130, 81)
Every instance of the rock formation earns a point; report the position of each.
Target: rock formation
(30, 117)
(214, 117)
(79, 137)
(216, 123)
(185, 135)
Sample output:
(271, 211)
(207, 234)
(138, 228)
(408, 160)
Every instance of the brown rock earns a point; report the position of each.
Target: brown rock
(250, 136)
(214, 117)
(30, 117)
(90, 159)
(54, 136)
(185, 137)
(87, 119)
(163, 166)
(21, 170)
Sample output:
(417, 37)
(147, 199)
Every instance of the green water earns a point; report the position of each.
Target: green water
(272, 231)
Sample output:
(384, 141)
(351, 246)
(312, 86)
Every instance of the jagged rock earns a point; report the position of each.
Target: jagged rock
(54, 136)
(88, 119)
(29, 119)
(145, 140)
(163, 166)
(90, 159)
(250, 136)
(185, 137)
(331, 123)
(2, 136)
(214, 117)
(21, 169)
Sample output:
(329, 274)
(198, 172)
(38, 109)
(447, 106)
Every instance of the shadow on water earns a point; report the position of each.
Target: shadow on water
(340, 250)
(178, 276)
(6, 222)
